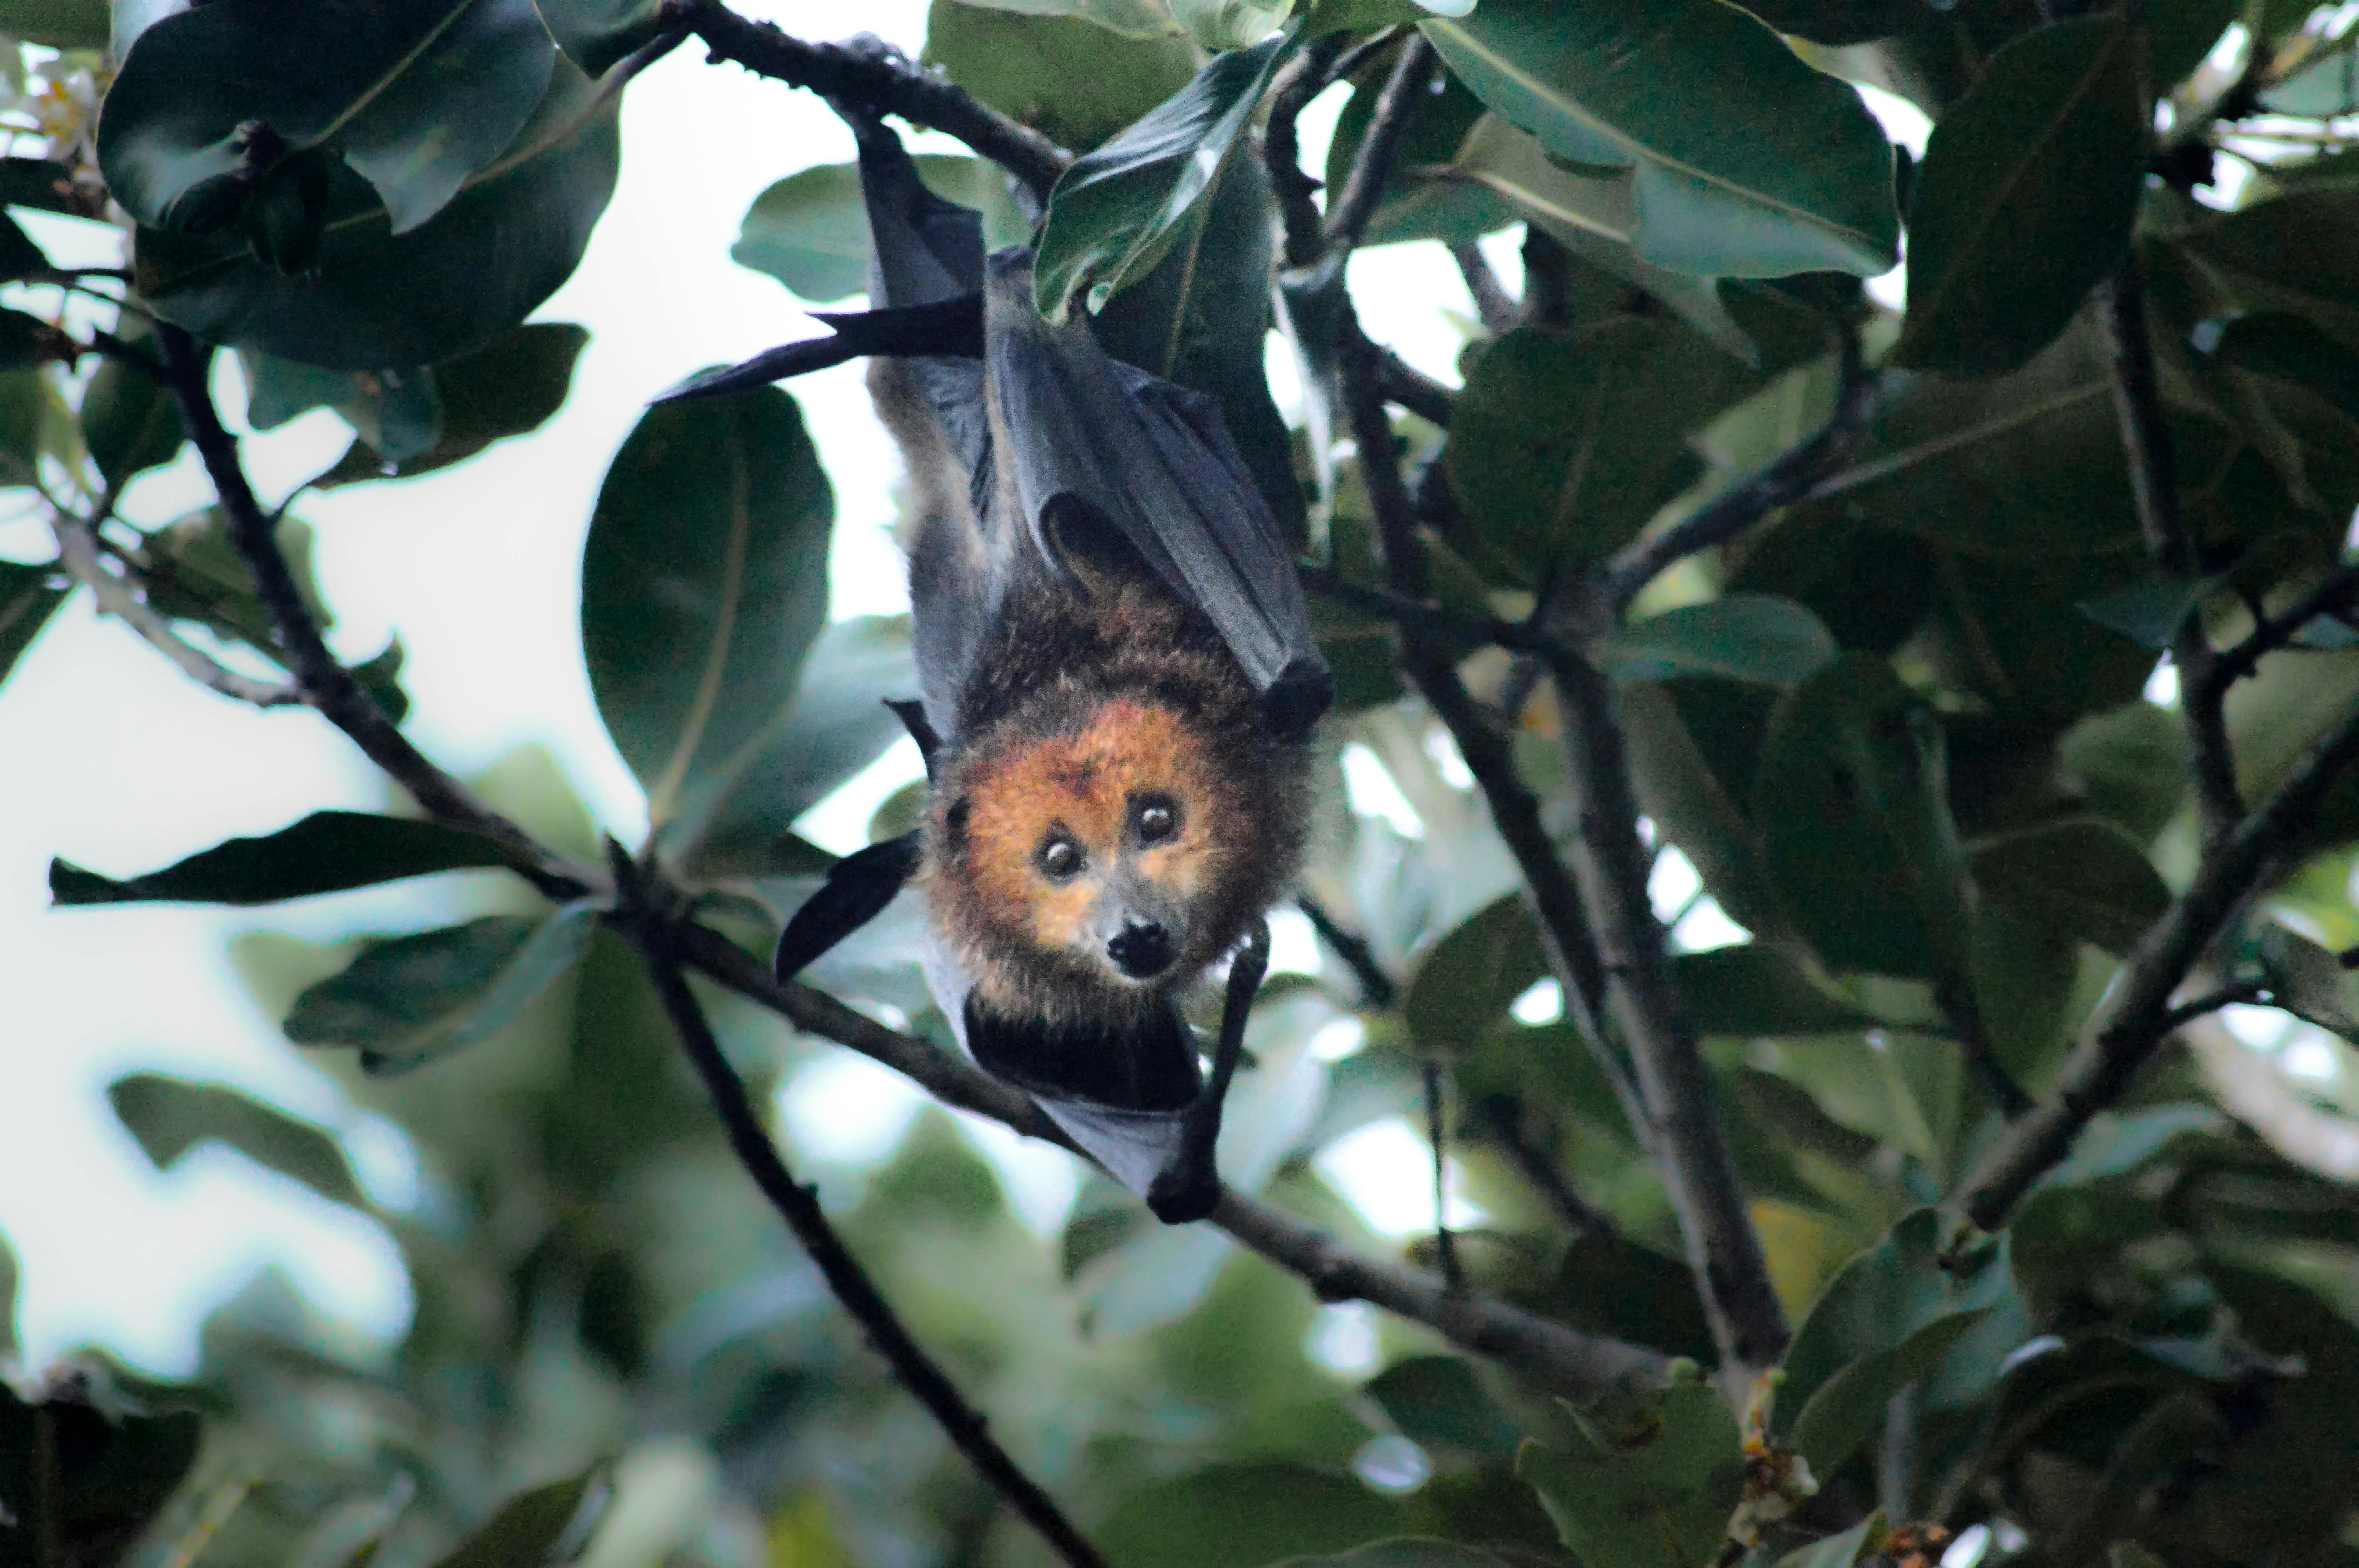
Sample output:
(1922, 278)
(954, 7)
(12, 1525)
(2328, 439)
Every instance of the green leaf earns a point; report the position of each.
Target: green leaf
(510, 387)
(28, 599)
(20, 257)
(1229, 24)
(1606, 1284)
(44, 184)
(1073, 81)
(1201, 317)
(2118, 1142)
(128, 423)
(60, 24)
(594, 34)
(1744, 636)
(196, 574)
(1590, 213)
(2082, 877)
(809, 230)
(27, 342)
(395, 412)
(7, 1299)
(2309, 982)
(1116, 212)
(2322, 92)
(1758, 991)
(409, 999)
(1884, 1321)
(824, 729)
(2024, 198)
(703, 585)
(170, 1116)
(2131, 763)
(414, 95)
(1852, 801)
(1903, 1088)
(373, 298)
(1843, 1550)
(1463, 984)
(327, 851)
(1266, 1513)
(1439, 1403)
(2289, 348)
(2180, 33)
(1840, 21)
(1407, 1552)
(1759, 166)
(1563, 445)
(531, 1527)
(1652, 1484)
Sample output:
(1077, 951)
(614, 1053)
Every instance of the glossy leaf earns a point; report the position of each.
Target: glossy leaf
(1464, 983)
(374, 298)
(1422, 201)
(1608, 1285)
(1130, 18)
(1852, 805)
(594, 34)
(2293, 253)
(1408, 1552)
(2289, 348)
(2024, 198)
(170, 1116)
(1759, 168)
(196, 574)
(128, 423)
(1116, 214)
(531, 1527)
(413, 95)
(1884, 1321)
(703, 585)
(1267, 1513)
(1075, 82)
(510, 387)
(328, 852)
(20, 257)
(2130, 764)
(1649, 1487)
(29, 597)
(1561, 447)
(809, 230)
(1754, 991)
(396, 412)
(1439, 1403)
(2309, 982)
(1840, 21)
(1744, 636)
(824, 728)
(409, 999)
(2082, 877)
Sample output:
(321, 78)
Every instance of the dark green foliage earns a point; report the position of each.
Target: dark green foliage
(1894, 727)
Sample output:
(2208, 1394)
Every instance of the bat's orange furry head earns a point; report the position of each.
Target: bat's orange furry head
(1105, 842)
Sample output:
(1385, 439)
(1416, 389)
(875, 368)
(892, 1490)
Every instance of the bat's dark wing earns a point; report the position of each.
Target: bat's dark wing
(1087, 445)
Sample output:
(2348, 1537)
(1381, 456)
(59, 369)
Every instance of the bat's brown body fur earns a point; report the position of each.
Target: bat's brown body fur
(1087, 700)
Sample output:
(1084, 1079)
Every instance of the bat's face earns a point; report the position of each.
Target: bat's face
(1100, 846)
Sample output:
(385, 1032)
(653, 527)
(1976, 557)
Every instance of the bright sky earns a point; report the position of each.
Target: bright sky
(116, 761)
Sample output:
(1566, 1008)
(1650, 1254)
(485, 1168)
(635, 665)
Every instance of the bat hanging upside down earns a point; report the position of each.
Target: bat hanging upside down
(1118, 679)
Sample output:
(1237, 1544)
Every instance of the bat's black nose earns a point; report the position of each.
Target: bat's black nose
(1142, 949)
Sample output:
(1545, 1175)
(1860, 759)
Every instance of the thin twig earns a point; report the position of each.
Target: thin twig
(1424, 616)
(1548, 279)
(323, 682)
(115, 595)
(1505, 1114)
(799, 1207)
(1404, 384)
(1437, 1135)
(2333, 593)
(1958, 1003)
(1492, 303)
(1376, 986)
(1783, 483)
(2170, 546)
(2210, 1002)
(1674, 1084)
(871, 73)
(2135, 1017)
(1349, 212)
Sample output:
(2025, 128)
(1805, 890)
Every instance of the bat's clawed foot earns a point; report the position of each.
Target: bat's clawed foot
(1184, 1192)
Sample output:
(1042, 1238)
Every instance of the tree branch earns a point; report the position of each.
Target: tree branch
(1505, 1114)
(323, 682)
(799, 1207)
(1376, 988)
(1785, 481)
(1493, 304)
(1299, 80)
(1348, 213)
(871, 73)
(2137, 1015)
(2271, 633)
(117, 596)
(1675, 1086)
(2154, 488)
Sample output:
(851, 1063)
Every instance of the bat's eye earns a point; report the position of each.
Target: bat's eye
(1060, 859)
(1157, 820)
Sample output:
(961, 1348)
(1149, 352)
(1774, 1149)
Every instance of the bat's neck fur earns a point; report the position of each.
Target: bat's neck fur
(1076, 696)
